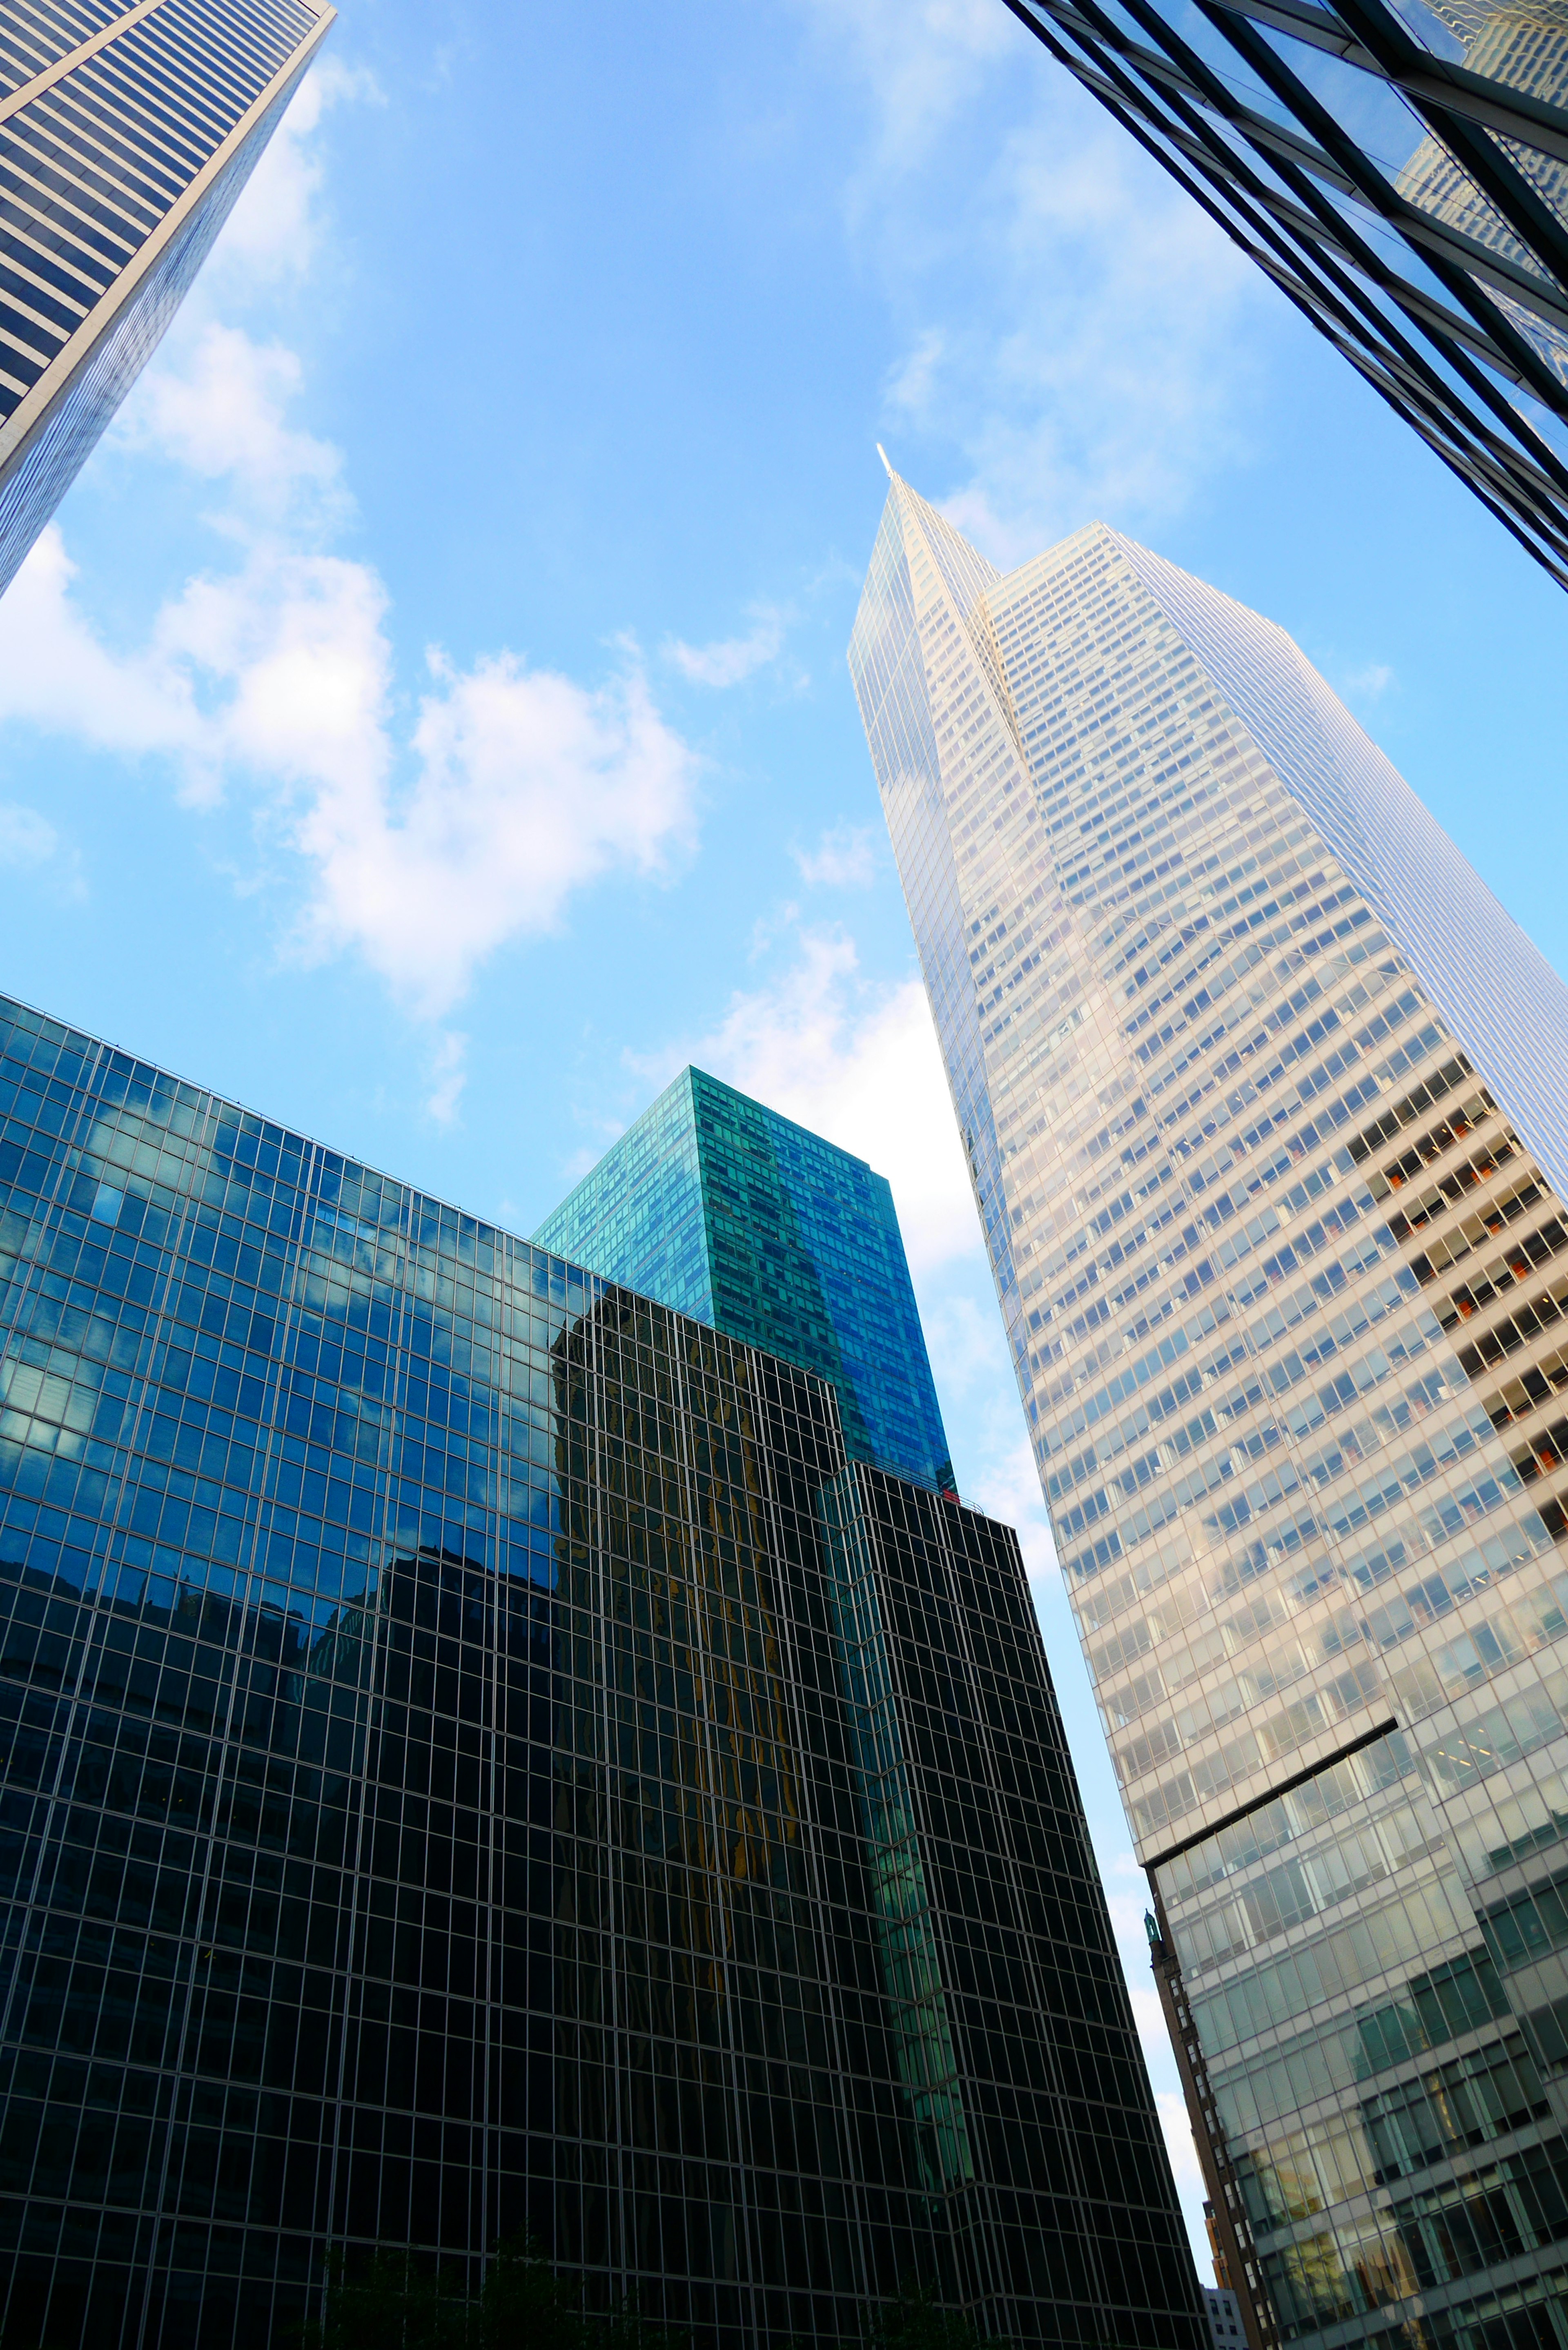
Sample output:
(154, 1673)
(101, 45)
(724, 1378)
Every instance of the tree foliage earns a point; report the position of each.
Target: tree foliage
(395, 2304)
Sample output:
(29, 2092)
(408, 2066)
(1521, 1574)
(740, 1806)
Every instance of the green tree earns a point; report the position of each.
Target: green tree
(523, 2304)
(391, 2305)
(916, 2320)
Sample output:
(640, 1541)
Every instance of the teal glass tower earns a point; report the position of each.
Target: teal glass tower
(718, 1207)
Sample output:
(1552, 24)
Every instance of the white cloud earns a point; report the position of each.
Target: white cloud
(1369, 683)
(529, 786)
(925, 64)
(272, 230)
(56, 675)
(448, 1075)
(422, 843)
(221, 415)
(1074, 326)
(516, 787)
(27, 839)
(844, 858)
(857, 1063)
(30, 845)
(732, 660)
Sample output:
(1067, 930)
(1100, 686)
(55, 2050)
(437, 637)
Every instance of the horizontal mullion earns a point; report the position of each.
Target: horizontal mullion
(1538, 294)
(1275, 139)
(1516, 114)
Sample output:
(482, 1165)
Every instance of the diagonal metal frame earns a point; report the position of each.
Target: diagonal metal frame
(1273, 191)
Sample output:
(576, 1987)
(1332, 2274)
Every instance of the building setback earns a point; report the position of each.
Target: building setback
(479, 1753)
(128, 128)
(1263, 1096)
(713, 1203)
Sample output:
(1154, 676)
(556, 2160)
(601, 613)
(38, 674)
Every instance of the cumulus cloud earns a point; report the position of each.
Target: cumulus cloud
(56, 675)
(859, 1064)
(528, 787)
(220, 411)
(844, 858)
(275, 227)
(424, 840)
(734, 660)
(516, 788)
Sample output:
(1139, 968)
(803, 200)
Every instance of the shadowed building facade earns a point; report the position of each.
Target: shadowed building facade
(128, 128)
(1263, 1094)
(478, 1752)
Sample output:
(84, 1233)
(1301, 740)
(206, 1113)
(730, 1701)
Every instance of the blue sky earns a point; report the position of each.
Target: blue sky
(428, 719)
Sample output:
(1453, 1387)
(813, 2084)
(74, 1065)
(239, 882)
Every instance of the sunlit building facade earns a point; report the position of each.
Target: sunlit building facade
(1264, 1094)
(717, 1205)
(479, 1754)
(128, 128)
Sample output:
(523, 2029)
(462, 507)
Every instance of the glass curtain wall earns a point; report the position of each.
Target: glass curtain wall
(478, 1754)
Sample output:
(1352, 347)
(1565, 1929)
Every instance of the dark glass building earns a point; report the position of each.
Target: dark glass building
(479, 1753)
(127, 129)
(716, 1205)
(1399, 168)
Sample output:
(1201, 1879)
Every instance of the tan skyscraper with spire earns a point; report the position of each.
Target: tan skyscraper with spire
(1263, 1096)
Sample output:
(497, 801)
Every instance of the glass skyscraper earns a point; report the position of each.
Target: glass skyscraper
(478, 1752)
(1399, 169)
(718, 1206)
(1264, 1094)
(127, 129)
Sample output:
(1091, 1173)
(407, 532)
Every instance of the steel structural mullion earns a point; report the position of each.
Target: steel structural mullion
(1533, 221)
(1294, 94)
(1486, 318)
(1505, 459)
(1341, 234)
(1380, 197)
(1454, 432)
(1286, 147)
(1424, 389)
(1512, 113)
(1474, 257)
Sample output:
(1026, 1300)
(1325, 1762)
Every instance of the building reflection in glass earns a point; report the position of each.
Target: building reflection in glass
(477, 1755)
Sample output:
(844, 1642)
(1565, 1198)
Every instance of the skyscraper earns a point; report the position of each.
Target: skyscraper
(1263, 1094)
(478, 1751)
(716, 1205)
(1401, 173)
(127, 129)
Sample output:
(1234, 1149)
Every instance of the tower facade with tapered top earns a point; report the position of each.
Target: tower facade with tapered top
(1264, 1098)
(128, 128)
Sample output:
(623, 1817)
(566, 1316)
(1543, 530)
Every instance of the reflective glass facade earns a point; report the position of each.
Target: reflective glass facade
(1399, 168)
(478, 1752)
(1263, 1096)
(723, 1209)
(127, 129)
